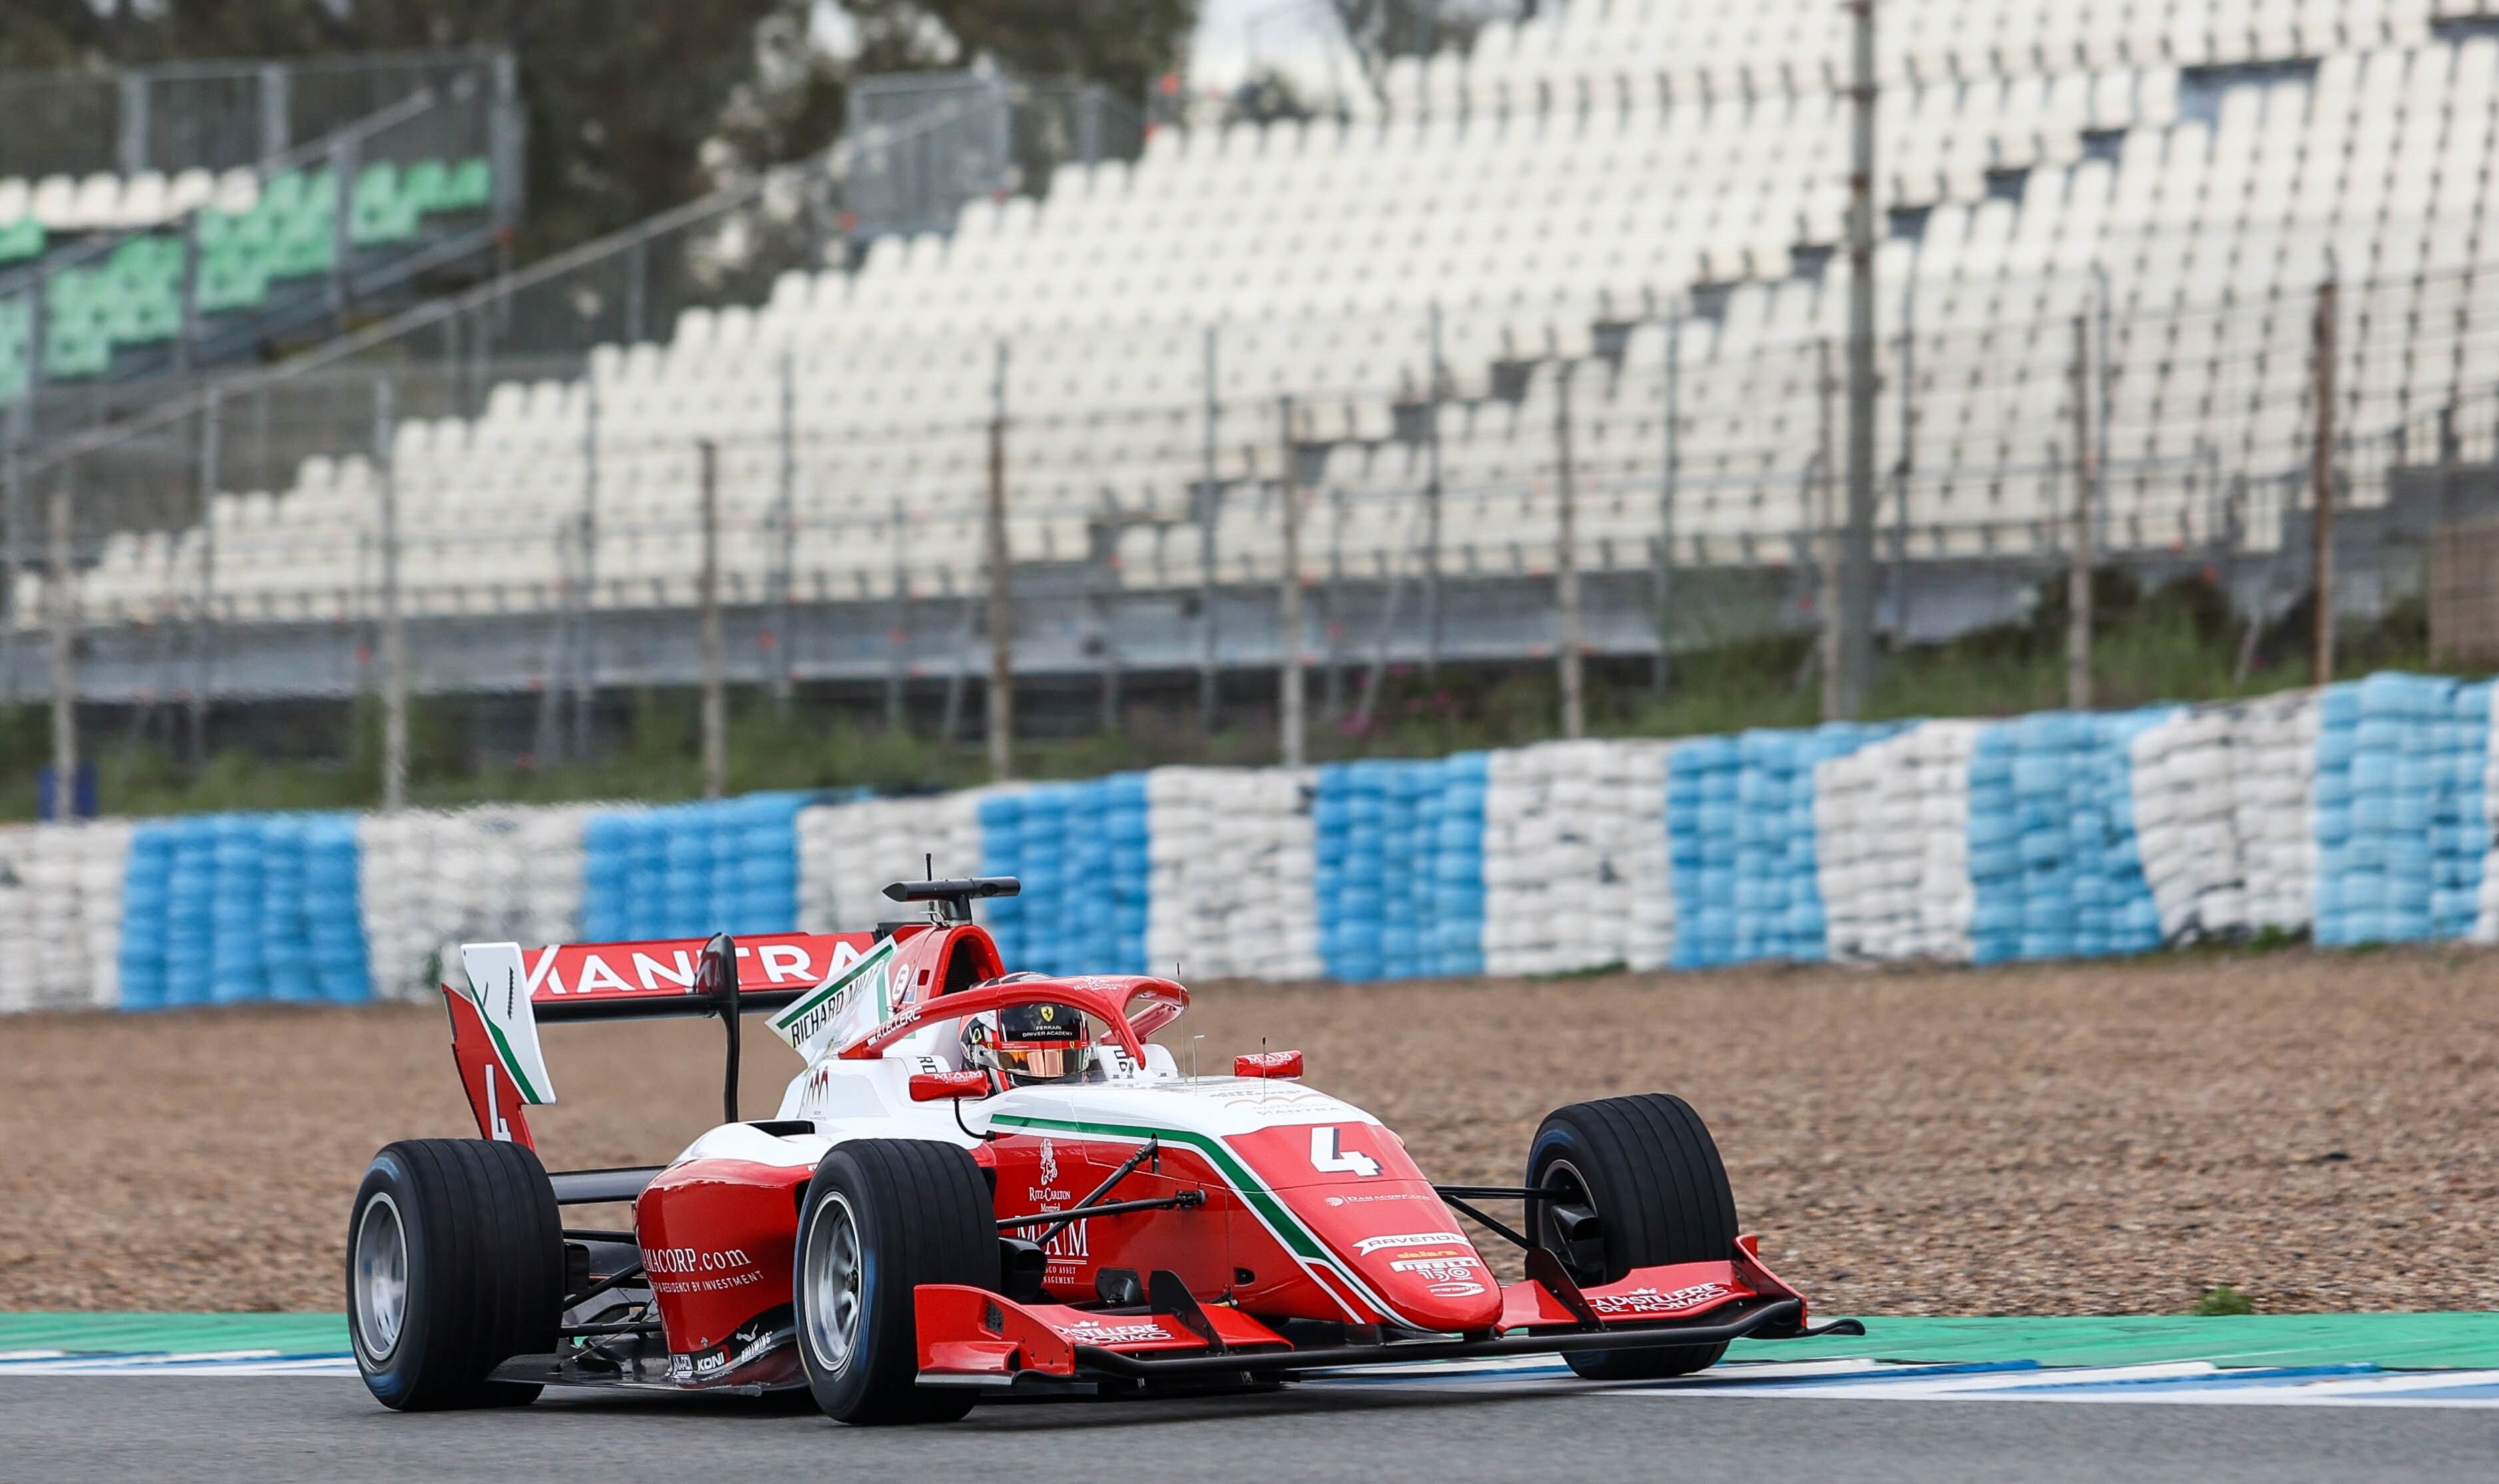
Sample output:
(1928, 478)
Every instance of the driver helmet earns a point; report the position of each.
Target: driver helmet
(1029, 1044)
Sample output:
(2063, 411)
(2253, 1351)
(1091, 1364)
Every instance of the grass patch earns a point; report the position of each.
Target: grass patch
(2222, 1300)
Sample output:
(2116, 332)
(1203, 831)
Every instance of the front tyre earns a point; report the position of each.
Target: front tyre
(882, 1217)
(455, 1264)
(1649, 1172)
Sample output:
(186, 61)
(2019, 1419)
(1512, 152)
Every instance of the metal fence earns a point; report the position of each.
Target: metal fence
(217, 115)
(923, 143)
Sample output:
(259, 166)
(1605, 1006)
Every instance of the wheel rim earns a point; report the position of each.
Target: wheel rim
(1584, 1261)
(381, 1277)
(829, 1271)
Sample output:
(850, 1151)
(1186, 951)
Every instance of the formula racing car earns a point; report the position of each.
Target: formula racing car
(993, 1183)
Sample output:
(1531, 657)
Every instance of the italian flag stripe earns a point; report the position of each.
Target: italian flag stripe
(1272, 1210)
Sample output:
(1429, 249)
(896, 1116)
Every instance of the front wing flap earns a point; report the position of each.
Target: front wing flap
(972, 1337)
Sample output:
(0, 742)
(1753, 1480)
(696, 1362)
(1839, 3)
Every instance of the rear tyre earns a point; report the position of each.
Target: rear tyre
(1649, 1172)
(455, 1264)
(882, 1217)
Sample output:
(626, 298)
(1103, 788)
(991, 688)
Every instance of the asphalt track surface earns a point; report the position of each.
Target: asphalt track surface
(266, 1429)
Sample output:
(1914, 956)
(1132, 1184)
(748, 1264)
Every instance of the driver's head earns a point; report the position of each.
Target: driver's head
(1028, 1044)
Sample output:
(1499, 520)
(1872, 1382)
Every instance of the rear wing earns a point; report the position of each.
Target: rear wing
(502, 992)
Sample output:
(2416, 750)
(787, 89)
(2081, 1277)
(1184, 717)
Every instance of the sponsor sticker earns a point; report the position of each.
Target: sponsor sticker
(1649, 1300)
(1094, 1332)
(1438, 1270)
(851, 1000)
(1370, 1244)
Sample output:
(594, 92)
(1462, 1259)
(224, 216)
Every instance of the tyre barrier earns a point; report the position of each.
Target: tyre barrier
(2361, 813)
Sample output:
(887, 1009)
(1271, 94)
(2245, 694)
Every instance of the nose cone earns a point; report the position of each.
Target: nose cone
(1432, 1280)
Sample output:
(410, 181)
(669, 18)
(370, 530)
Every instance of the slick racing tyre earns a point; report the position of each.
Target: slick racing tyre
(883, 1216)
(1651, 1174)
(455, 1264)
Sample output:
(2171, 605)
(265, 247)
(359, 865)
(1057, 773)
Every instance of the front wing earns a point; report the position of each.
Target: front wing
(970, 1337)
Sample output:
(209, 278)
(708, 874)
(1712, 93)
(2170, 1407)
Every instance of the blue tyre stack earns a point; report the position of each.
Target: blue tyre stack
(1703, 782)
(286, 934)
(334, 911)
(2340, 895)
(236, 970)
(611, 860)
(147, 884)
(2461, 835)
(2114, 911)
(1996, 865)
(1350, 814)
(1002, 855)
(1454, 820)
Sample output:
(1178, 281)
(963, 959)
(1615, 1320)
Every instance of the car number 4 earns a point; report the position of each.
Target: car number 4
(1328, 1158)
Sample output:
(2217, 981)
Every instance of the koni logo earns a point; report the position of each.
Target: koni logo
(677, 1260)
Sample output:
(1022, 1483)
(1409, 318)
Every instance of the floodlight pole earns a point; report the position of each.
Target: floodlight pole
(1857, 568)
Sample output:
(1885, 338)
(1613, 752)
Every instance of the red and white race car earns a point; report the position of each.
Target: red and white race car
(986, 1183)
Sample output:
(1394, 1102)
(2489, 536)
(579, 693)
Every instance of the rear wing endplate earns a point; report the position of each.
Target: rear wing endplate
(503, 992)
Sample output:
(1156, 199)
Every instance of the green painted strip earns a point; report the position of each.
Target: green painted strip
(189, 1334)
(2424, 1340)
(511, 1063)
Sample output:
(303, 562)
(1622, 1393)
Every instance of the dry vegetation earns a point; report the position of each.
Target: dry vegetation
(2318, 1130)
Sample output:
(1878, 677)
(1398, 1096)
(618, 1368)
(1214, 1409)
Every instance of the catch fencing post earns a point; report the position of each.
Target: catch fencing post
(1855, 619)
(2321, 479)
(1909, 459)
(205, 631)
(1822, 539)
(58, 586)
(1566, 559)
(715, 680)
(1001, 614)
(585, 643)
(785, 538)
(1208, 503)
(1660, 673)
(898, 634)
(1288, 595)
(394, 625)
(1432, 499)
(2077, 578)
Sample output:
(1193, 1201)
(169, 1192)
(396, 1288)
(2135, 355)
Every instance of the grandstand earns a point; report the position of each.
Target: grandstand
(121, 273)
(1642, 200)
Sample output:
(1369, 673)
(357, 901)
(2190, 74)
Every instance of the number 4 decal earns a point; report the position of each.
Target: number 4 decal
(1328, 1158)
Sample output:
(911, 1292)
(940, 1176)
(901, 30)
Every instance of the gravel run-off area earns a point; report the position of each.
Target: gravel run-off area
(2318, 1130)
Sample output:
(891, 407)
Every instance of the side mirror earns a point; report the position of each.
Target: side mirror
(1280, 1064)
(933, 1086)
